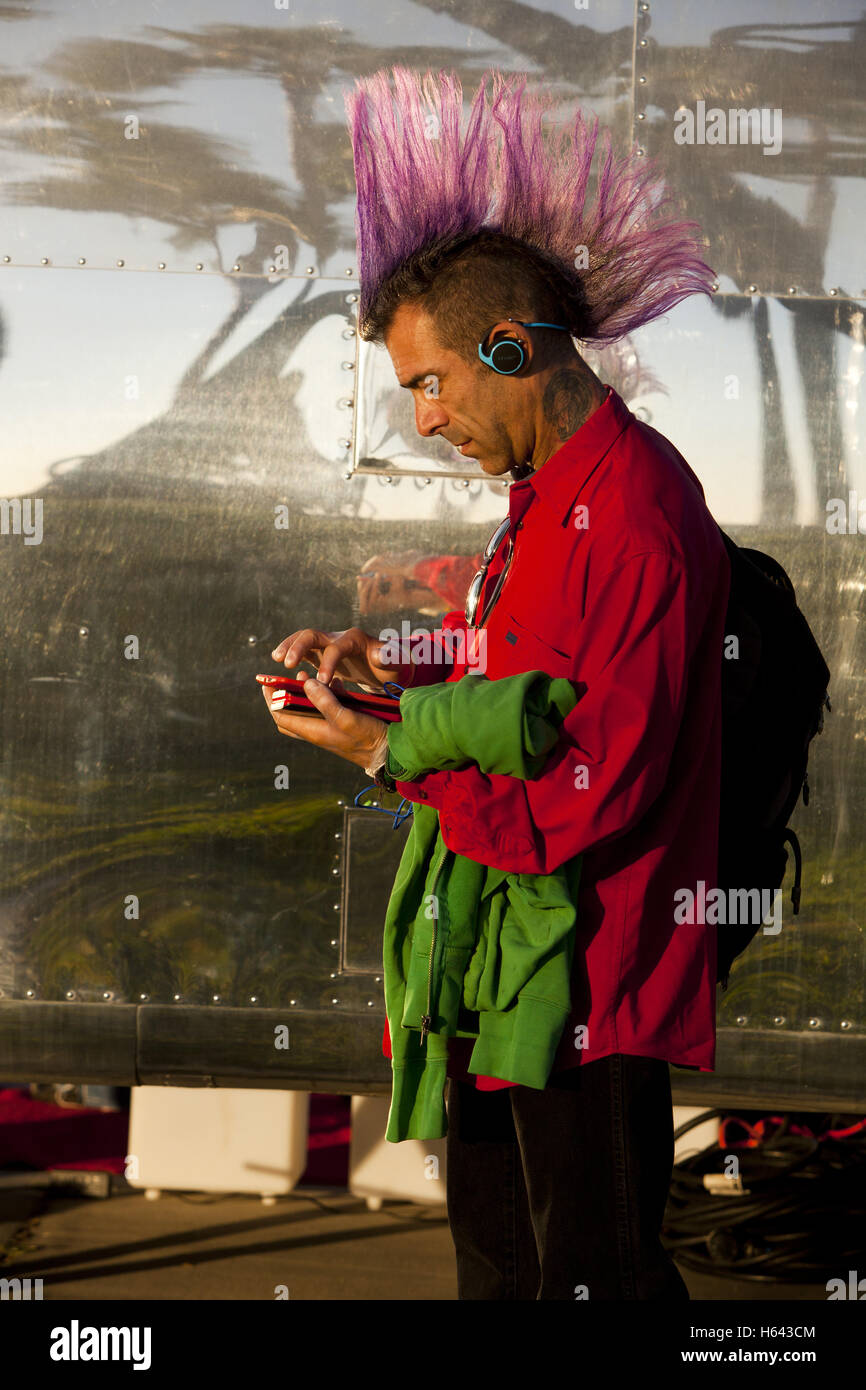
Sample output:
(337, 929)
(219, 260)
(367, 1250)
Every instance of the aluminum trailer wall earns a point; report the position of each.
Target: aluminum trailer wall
(210, 457)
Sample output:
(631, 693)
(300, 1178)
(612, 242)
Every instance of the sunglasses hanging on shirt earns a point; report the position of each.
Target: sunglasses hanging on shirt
(502, 533)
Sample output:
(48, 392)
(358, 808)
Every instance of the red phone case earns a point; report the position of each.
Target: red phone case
(296, 702)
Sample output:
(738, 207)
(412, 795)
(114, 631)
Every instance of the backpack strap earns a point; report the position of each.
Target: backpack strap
(798, 865)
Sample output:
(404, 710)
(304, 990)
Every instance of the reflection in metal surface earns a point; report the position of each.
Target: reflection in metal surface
(179, 381)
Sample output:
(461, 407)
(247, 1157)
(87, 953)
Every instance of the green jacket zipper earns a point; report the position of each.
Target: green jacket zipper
(427, 1019)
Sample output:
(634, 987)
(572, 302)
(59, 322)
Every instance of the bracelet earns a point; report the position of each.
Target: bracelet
(383, 779)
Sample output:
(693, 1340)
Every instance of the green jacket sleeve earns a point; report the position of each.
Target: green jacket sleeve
(505, 726)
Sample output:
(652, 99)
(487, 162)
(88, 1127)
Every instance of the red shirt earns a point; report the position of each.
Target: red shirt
(619, 581)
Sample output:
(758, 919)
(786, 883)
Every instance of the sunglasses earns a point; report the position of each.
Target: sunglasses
(502, 532)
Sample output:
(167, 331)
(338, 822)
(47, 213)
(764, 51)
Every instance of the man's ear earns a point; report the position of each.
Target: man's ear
(506, 332)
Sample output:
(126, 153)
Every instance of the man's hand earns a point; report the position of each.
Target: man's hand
(352, 654)
(355, 737)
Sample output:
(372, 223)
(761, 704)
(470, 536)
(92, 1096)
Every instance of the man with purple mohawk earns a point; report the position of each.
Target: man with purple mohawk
(483, 257)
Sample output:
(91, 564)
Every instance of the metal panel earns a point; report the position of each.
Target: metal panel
(780, 198)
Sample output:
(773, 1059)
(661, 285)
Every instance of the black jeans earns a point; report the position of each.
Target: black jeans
(561, 1193)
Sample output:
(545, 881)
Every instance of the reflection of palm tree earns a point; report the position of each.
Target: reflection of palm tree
(196, 183)
(199, 186)
(188, 180)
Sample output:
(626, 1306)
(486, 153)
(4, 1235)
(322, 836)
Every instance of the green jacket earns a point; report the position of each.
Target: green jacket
(469, 950)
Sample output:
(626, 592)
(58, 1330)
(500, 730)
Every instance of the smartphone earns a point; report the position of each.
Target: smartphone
(296, 702)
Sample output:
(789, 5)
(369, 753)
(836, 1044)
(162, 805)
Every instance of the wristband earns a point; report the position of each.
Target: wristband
(378, 769)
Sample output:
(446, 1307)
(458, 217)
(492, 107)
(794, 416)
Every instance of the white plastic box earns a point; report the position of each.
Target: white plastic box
(411, 1171)
(215, 1139)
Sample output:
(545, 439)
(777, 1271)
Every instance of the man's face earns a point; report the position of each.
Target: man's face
(465, 404)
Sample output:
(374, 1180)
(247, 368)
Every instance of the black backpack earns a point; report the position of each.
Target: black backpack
(773, 699)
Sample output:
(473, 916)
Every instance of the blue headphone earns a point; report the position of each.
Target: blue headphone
(507, 357)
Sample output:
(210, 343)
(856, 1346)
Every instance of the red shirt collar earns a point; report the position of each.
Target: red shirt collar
(558, 482)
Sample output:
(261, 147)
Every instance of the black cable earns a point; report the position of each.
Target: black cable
(795, 1212)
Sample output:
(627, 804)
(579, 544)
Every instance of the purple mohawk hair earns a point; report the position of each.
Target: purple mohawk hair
(427, 179)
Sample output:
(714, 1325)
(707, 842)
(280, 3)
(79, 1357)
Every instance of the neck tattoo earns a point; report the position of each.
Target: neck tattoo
(568, 400)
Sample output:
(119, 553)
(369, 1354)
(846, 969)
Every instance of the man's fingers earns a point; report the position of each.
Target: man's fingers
(331, 658)
(296, 647)
(318, 693)
(341, 729)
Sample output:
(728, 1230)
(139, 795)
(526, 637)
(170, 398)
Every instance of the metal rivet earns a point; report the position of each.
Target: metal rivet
(144, 998)
(351, 299)
(814, 1023)
(752, 289)
(199, 266)
(641, 115)
(215, 998)
(252, 641)
(641, 79)
(335, 1001)
(714, 286)
(119, 263)
(272, 270)
(160, 265)
(177, 998)
(834, 291)
(311, 270)
(641, 151)
(254, 999)
(779, 1020)
(6, 260)
(792, 289)
(642, 43)
(346, 476)
(333, 943)
(369, 1003)
(30, 994)
(345, 443)
(81, 260)
(846, 1023)
(235, 266)
(291, 1001)
(83, 631)
(349, 271)
(378, 979)
(45, 261)
(348, 366)
(70, 994)
(106, 994)
(348, 332)
(742, 1020)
